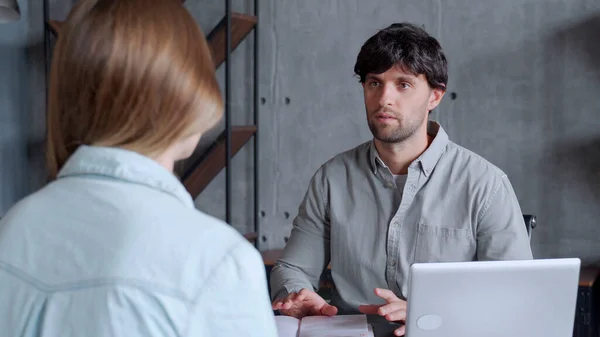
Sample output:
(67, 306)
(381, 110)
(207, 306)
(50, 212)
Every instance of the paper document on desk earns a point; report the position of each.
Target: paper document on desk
(323, 326)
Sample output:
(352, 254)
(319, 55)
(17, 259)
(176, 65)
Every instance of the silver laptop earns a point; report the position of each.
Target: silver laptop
(493, 298)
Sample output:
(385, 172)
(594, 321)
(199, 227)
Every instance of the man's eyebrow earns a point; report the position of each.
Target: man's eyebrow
(403, 78)
(406, 78)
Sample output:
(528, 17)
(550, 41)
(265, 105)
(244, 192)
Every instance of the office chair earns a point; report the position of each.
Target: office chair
(530, 223)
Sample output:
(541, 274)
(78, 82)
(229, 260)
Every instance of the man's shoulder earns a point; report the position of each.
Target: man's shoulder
(355, 157)
(471, 162)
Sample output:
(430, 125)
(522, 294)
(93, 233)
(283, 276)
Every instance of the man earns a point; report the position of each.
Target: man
(409, 195)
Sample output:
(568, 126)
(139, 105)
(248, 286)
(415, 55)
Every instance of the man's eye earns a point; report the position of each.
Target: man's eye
(404, 85)
(373, 84)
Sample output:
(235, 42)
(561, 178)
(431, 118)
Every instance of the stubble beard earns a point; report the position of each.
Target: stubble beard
(394, 133)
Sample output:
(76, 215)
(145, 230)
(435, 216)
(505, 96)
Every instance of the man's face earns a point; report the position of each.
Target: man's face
(398, 104)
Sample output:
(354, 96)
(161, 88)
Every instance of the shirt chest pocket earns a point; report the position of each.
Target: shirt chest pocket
(444, 244)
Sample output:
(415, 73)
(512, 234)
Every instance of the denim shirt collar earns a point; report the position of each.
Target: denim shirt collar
(124, 165)
(427, 159)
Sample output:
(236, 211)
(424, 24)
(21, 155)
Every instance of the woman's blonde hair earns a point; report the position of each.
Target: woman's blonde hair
(136, 74)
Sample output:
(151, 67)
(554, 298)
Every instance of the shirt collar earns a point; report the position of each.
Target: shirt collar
(374, 157)
(124, 165)
(427, 159)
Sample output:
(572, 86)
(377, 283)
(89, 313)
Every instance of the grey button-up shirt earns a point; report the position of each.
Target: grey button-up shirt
(454, 206)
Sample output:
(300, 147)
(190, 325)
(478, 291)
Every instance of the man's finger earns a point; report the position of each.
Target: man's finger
(391, 307)
(386, 294)
(398, 315)
(328, 310)
(289, 301)
(400, 331)
(292, 313)
(278, 303)
(370, 309)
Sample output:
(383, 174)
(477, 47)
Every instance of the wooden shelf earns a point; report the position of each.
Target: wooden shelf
(271, 256)
(252, 236)
(206, 168)
(55, 26)
(241, 26)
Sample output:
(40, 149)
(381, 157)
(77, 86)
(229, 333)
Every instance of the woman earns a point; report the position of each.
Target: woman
(113, 245)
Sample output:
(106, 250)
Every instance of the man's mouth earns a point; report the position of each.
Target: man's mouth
(382, 116)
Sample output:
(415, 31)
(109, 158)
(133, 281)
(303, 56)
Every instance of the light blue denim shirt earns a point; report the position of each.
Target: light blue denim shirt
(115, 247)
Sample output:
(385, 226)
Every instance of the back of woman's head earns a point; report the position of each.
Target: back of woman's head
(136, 74)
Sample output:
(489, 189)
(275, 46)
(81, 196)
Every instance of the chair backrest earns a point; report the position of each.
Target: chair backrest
(530, 223)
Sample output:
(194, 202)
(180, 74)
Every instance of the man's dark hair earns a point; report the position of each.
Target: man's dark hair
(405, 45)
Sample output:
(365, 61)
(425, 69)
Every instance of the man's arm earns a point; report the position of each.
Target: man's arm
(235, 300)
(306, 253)
(501, 232)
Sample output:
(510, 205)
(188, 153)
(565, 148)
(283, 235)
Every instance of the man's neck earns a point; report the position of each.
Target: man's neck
(398, 156)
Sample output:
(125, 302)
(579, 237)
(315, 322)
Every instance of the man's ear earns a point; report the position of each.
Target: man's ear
(435, 97)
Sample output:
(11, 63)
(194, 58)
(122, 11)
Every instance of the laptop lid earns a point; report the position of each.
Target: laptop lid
(493, 298)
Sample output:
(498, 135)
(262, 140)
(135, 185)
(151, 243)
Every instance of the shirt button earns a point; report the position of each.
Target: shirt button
(392, 263)
(395, 224)
(390, 185)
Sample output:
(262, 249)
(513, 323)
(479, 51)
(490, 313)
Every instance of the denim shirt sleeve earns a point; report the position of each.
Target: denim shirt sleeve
(501, 233)
(238, 295)
(307, 252)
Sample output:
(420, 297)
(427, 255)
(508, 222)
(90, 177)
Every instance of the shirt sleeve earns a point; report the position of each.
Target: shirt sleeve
(501, 233)
(235, 300)
(306, 253)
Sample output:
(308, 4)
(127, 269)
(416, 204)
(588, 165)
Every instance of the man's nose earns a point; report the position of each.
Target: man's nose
(387, 95)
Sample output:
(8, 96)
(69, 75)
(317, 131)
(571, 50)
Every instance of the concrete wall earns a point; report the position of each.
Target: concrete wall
(22, 104)
(525, 74)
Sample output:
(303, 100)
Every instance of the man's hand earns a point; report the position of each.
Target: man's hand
(304, 303)
(394, 310)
